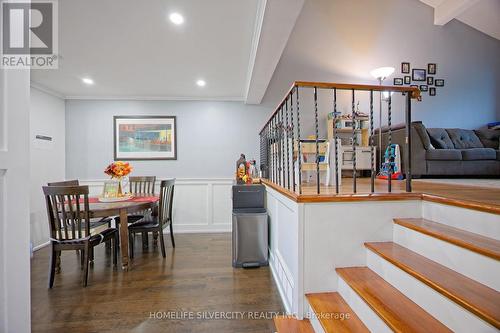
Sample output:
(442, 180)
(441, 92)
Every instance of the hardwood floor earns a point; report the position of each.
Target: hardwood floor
(196, 278)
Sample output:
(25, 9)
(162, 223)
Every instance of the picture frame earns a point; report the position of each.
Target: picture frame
(432, 91)
(407, 79)
(110, 189)
(430, 80)
(398, 81)
(405, 67)
(424, 87)
(439, 82)
(431, 68)
(418, 74)
(144, 138)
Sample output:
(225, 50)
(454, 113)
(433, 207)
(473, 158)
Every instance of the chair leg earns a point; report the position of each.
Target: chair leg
(155, 238)
(52, 266)
(86, 253)
(162, 244)
(82, 258)
(91, 256)
(172, 235)
(145, 240)
(115, 249)
(131, 244)
(58, 262)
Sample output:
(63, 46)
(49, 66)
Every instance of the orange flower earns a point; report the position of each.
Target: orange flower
(118, 169)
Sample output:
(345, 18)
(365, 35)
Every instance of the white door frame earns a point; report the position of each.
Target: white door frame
(15, 310)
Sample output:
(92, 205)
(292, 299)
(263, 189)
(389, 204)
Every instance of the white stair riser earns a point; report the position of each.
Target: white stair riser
(481, 223)
(371, 320)
(476, 266)
(446, 311)
(313, 319)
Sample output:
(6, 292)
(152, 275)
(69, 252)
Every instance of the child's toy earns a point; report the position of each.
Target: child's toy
(392, 163)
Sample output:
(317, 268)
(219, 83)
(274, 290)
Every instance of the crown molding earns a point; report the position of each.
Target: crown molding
(51, 92)
(158, 98)
(46, 90)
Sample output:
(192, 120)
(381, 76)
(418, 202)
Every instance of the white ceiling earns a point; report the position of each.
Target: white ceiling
(483, 15)
(130, 49)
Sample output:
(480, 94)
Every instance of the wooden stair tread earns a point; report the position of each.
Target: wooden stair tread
(327, 307)
(287, 324)
(486, 246)
(395, 309)
(471, 295)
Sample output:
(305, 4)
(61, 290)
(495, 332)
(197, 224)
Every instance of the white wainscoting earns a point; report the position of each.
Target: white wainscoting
(200, 205)
(286, 249)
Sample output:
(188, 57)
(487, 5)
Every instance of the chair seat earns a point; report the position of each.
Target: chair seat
(131, 218)
(103, 236)
(145, 224)
(94, 223)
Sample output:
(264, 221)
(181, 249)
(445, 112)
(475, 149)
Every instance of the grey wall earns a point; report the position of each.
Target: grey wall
(47, 159)
(343, 40)
(210, 136)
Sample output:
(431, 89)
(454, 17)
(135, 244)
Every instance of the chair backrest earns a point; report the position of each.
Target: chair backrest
(67, 211)
(142, 185)
(166, 200)
(65, 183)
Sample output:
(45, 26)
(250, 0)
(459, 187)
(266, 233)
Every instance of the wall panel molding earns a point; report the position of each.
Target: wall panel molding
(200, 204)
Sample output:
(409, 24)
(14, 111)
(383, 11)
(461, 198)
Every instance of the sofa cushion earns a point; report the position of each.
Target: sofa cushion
(463, 139)
(422, 133)
(443, 155)
(474, 154)
(489, 137)
(440, 138)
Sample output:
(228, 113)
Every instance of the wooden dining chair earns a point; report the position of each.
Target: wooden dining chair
(69, 223)
(158, 222)
(140, 185)
(94, 223)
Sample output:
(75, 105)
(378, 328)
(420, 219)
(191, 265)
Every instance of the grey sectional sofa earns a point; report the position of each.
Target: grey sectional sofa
(450, 151)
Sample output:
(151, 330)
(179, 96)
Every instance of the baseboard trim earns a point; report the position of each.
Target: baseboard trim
(41, 246)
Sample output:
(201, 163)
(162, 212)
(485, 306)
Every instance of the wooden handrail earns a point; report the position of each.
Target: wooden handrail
(415, 92)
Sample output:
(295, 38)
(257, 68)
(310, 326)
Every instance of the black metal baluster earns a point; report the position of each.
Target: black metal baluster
(299, 156)
(391, 162)
(287, 131)
(335, 138)
(273, 152)
(372, 151)
(278, 132)
(408, 142)
(282, 135)
(316, 127)
(292, 129)
(354, 188)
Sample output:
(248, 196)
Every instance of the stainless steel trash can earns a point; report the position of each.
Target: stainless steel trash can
(250, 226)
(250, 238)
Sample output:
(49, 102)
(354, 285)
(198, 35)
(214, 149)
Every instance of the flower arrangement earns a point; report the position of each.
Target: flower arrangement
(118, 169)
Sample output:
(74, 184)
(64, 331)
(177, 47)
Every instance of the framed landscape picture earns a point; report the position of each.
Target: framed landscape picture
(145, 138)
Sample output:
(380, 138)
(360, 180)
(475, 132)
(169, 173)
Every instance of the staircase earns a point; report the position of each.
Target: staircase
(433, 277)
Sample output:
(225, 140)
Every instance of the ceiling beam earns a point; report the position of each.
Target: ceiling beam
(275, 22)
(450, 9)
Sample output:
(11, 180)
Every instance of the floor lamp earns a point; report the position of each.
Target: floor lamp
(381, 74)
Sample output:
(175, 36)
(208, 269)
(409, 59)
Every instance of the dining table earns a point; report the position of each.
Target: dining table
(136, 203)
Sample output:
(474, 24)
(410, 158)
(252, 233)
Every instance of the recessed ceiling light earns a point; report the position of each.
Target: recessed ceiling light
(88, 81)
(176, 18)
(201, 83)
